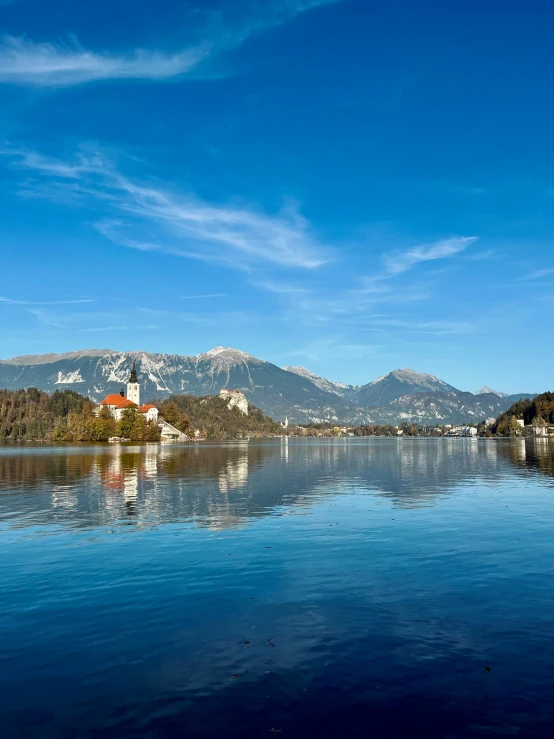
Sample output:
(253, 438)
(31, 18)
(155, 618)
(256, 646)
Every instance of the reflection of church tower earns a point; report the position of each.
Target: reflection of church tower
(133, 387)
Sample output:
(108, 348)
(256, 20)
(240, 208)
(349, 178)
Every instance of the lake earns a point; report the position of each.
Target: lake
(294, 588)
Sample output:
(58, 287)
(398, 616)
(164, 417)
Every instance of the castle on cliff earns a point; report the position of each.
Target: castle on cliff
(236, 399)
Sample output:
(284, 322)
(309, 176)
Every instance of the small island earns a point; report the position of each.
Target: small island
(67, 416)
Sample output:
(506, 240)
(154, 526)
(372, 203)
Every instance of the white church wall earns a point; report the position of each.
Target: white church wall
(133, 392)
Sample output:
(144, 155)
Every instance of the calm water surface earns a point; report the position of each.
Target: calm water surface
(345, 588)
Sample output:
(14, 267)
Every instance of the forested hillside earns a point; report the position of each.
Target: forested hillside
(214, 419)
(32, 415)
(538, 410)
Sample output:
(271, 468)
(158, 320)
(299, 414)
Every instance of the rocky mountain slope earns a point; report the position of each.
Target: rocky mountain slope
(487, 391)
(276, 391)
(330, 386)
(402, 395)
(396, 384)
(442, 408)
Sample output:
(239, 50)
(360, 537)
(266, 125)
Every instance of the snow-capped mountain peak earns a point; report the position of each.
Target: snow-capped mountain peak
(330, 386)
(398, 383)
(31, 359)
(412, 377)
(295, 392)
(488, 391)
(227, 352)
(222, 359)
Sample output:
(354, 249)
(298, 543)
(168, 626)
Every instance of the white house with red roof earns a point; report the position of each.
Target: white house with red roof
(116, 404)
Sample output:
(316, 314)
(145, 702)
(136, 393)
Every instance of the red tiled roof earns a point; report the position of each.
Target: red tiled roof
(117, 400)
(146, 408)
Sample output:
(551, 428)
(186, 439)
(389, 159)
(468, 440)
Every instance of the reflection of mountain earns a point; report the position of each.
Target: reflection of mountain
(222, 486)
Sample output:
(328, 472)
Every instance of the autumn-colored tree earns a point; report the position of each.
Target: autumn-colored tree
(126, 422)
(170, 412)
(541, 406)
(138, 429)
(152, 432)
(101, 427)
(68, 416)
(514, 427)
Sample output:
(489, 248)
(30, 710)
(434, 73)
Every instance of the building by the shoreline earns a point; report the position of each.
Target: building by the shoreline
(116, 404)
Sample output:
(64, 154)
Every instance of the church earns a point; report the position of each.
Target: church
(116, 404)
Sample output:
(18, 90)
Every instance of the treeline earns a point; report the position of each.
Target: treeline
(211, 416)
(370, 429)
(87, 426)
(537, 411)
(33, 415)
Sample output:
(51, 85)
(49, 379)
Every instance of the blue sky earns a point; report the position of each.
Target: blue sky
(354, 186)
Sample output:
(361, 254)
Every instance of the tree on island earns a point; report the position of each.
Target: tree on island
(126, 423)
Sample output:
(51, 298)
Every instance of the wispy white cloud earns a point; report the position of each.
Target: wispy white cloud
(400, 262)
(200, 319)
(9, 301)
(47, 318)
(424, 327)
(106, 328)
(361, 348)
(538, 274)
(333, 346)
(154, 217)
(200, 297)
(479, 256)
(24, 61)
(372, 286)
(276, 287)
(138, 319)
(88, 322)
(351, 308)
(74, 320)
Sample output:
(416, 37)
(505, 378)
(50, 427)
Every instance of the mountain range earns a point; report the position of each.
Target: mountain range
(403, 395)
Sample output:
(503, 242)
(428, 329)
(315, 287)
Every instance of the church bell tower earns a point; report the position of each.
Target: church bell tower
(133, 387)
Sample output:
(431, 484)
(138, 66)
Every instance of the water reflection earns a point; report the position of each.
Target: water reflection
(322, 585)
(235, 474)
(531, 455)
(222, 486)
